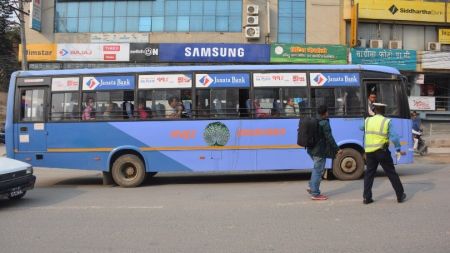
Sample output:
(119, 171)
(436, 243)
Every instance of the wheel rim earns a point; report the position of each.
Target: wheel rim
(128, 171)
(348, 165)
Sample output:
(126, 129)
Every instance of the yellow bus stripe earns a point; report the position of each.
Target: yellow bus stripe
(67, 150)
(61, 150)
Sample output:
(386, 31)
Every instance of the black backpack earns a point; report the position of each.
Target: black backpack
(308, 132)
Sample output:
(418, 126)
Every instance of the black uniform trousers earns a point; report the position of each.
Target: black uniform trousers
(384, 158)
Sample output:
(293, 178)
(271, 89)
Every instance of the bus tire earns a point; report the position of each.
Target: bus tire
(128, 171)
(349, 165)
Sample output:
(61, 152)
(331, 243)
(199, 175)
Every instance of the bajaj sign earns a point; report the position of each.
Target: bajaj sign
(402, 10)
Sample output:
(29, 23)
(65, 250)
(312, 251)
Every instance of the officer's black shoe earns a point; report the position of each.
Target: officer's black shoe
(402, 198)
(367, 201)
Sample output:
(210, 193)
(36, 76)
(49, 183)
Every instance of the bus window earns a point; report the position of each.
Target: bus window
(108, 105)
(64, 106)
(203, 104)
(348, 101)
(32, 105)
(224, 103)
(267, 103)
(294, 101)
(219, 103)
(388, 92)
(341, 101)
(167, 103)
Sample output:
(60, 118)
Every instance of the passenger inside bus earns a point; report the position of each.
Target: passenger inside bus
(289, 108)
(127, 109)
(176, 108)
(108, 113)
(89, 110)
(143, 112)
(260, 112)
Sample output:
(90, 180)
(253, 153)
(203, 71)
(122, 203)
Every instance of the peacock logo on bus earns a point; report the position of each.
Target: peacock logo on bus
(206, 80)
(216, 134)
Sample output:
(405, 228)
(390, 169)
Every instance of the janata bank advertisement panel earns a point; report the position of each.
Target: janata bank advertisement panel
(93, 52)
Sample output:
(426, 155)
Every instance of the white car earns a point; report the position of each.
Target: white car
(16, 178)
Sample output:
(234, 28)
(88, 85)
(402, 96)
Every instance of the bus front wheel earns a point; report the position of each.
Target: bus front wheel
(348, 165)
(128, 171)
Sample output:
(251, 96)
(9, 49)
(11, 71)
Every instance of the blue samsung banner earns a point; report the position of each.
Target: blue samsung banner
(248, 53)
(108, 83)
(222, 80)
(334, 79)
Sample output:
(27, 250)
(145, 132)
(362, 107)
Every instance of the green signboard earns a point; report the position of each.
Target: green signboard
(397, 58)
(297, 53)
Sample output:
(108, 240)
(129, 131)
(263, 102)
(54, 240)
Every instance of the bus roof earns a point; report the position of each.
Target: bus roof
(376, 68)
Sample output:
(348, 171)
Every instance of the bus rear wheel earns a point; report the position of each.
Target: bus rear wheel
(128, 171)
(348, 165)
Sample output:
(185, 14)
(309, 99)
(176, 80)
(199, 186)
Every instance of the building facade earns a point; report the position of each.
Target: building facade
(412, 36)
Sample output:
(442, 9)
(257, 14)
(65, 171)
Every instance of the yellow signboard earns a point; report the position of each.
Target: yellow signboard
(402, 10)
(39, 52)
(444, 36)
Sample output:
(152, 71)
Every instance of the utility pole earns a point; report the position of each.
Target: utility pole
(22, 36)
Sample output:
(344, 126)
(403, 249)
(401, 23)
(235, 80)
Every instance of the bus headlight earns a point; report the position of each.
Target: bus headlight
(30, 170)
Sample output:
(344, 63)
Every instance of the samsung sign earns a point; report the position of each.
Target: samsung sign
(247, 53)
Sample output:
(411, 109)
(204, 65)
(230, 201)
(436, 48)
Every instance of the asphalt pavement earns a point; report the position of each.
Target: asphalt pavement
(71, 211)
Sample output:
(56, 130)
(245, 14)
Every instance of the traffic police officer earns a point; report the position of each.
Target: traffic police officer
(378, 131)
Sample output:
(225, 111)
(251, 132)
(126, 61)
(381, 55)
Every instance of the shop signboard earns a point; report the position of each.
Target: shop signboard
(214, 53)
(334, 79)
(144, 52)
(39, 52)
(435, 60)
(296, 53)
(402, 10)
(112, 52)
(444, 36)
(119, 38)
(397, 58)
(222, 80)
(422, 103)
(279, 79)
(35, 15)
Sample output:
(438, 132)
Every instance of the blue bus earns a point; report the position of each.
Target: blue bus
(134, 122)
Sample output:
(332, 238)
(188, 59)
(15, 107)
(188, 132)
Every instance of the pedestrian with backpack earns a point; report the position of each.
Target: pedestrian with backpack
(325, 147)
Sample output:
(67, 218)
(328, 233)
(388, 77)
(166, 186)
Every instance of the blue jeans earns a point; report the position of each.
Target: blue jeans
(316, 175)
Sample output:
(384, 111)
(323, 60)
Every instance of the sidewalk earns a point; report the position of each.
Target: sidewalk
(438, 143)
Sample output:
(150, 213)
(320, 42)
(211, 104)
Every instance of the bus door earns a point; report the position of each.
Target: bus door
(31, 105)
(391, 93)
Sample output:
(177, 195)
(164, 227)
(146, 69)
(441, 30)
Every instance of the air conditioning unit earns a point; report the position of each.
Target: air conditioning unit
(252, 20)
(376, 43)
(252, 9)
(361, 43)
(252, 32)
(395, 44)
(434, 46)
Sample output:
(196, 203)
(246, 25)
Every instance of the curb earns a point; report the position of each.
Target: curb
(438, 150)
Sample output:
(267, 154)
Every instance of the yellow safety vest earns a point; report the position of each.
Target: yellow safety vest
(376, 133)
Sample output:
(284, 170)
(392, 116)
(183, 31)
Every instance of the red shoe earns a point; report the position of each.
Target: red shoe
(319, 197)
